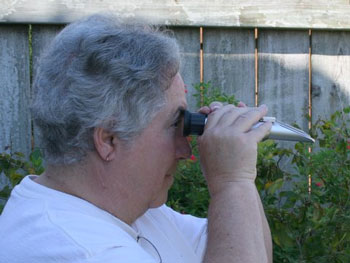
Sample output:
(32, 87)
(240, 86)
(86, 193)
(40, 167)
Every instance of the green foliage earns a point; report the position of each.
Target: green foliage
(15, 167)
(306, 226)
(313, 226)
(207, 93)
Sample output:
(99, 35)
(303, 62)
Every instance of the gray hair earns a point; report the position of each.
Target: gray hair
(100, 72)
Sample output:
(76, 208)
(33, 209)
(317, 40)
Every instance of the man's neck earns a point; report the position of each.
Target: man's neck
(90, 182)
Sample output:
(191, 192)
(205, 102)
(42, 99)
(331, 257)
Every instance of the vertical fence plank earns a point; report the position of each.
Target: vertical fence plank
(15, 127)
(284, 74)
(42, 35)
(229, 61)
(283, 62)
(188, 39)
(330, 72)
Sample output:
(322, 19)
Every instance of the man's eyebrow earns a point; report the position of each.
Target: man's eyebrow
(176, 114)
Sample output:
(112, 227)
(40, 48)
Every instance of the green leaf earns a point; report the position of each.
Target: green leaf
(282, 237)
(346, 110)
(276, 185)
(5, 192)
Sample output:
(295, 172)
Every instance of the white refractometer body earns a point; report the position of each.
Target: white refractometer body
(194, 124)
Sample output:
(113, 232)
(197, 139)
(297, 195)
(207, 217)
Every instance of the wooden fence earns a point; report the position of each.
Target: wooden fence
(296, 72)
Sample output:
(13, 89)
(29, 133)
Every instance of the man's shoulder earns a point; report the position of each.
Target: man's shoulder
(45, 223)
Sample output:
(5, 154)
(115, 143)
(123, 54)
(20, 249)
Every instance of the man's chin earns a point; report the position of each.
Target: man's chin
(172, 171)
(163, 194)
(159, 202)
(171, 178)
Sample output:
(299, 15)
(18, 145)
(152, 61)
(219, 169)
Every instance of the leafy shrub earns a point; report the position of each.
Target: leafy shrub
(15, 167)
(206, 94)
(312, 225)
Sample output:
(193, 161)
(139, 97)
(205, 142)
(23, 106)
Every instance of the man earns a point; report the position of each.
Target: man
(108, 103)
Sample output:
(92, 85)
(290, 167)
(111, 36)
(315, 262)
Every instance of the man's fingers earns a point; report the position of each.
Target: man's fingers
(261, 132)
(204, 110)
(241, 104)
(246, 120)
(239, 119)
(215, 117)
(211, 108)
(215, 105)
(229, 115)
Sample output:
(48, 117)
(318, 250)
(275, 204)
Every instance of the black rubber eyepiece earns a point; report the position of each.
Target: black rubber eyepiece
(194, 123)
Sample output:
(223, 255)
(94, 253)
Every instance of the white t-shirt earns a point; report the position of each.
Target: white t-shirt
(43, 225)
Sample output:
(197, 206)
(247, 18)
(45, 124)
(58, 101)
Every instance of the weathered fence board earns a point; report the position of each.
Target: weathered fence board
(330, 72)
(229, 61)
(188, 39)
(41, 38)
(15, 124)
(283, 78)
(240, 13)
(283, 74)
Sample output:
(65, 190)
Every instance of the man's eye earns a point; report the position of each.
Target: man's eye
(176, 124)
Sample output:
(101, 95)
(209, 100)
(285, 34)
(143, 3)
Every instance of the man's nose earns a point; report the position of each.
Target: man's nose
(183, 148)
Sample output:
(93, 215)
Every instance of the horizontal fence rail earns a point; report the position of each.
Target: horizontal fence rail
(315, 14)
(297, 73)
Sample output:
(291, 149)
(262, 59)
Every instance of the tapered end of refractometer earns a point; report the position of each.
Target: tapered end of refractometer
(283, 131)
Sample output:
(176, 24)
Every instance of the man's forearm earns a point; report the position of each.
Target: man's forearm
(266, 230)
(237, 228)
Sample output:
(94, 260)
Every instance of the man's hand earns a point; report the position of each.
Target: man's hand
(228, 146)
(237, 227)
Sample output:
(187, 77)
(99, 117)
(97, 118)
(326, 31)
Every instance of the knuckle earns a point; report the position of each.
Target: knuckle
(215, 104)
(254, 111)
(248, 114)
(243, 116)
(229, 107)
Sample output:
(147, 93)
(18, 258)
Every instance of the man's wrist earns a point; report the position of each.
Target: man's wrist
(218, 187)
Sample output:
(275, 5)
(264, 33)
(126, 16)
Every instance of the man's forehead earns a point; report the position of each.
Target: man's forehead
(176, 96)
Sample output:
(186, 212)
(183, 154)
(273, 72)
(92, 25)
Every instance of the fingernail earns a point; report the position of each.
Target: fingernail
(263, 106)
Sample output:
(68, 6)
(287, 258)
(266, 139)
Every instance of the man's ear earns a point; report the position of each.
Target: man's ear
(105, 143)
